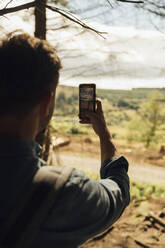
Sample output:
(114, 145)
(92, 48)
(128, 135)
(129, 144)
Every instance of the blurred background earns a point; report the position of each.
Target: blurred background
(126, 61)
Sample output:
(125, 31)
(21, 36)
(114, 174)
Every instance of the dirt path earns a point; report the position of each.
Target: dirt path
(145, 173)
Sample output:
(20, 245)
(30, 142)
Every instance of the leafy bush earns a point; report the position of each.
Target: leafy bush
(75, 130)
(143, 191)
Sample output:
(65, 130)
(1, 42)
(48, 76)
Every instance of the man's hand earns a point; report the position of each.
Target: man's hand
(97, 120)
(99, 125)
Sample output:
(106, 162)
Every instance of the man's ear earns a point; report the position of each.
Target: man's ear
(45, 105)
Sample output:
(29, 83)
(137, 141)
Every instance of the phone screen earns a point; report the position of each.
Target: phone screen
(87, 99)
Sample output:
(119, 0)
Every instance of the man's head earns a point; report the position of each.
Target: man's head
(29, 73)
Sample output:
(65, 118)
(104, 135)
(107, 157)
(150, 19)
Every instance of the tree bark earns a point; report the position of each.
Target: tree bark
(40, 19)
(43, 138)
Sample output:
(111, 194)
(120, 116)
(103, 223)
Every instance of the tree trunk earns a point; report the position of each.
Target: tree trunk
(40, 19)
(43, 138)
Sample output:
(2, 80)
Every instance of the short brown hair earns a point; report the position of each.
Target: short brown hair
(29, 67)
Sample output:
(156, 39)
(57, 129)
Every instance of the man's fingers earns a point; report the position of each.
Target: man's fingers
(89, 115)
(85, 122)
(99, 106)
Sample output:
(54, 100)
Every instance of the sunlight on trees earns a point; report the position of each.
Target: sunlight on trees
(148, 120)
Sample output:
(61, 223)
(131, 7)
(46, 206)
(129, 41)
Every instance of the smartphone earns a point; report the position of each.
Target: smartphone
(87, 99)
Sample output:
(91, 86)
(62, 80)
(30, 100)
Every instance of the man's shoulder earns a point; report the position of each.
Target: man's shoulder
(57, 175)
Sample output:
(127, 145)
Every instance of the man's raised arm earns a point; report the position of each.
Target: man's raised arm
(99, 125)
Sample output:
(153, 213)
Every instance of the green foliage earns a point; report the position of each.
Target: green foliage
(115, 102)
(74, 130)
(66, 105)
(138, 112)
(59, 127)
(134, 130)
(144, 127)
(77, 130)
(143, 191)
(68, 127)
(126, 104)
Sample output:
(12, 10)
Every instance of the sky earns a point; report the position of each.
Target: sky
(132, 55)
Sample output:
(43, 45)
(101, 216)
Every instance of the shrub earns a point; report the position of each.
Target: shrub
(75, 130)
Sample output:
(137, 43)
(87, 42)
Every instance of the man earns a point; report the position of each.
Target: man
(29, 74)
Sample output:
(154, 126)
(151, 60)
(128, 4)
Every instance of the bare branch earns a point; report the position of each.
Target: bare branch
(129, 1)
(161, 14)
(62, 12)
(58, 28)
(73, 18)
(156, 5)
(155, 8)
(97, 15)
(110, 3)
(124, 1)
(8, 3)
(17, 8)
(155, 26)
(5, 10)
(89, 8)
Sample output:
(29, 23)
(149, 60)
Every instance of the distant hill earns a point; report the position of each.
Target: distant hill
(114, 100)
(135, 93)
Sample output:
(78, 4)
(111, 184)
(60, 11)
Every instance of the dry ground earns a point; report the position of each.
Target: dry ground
(134, 229)
(135, 153)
